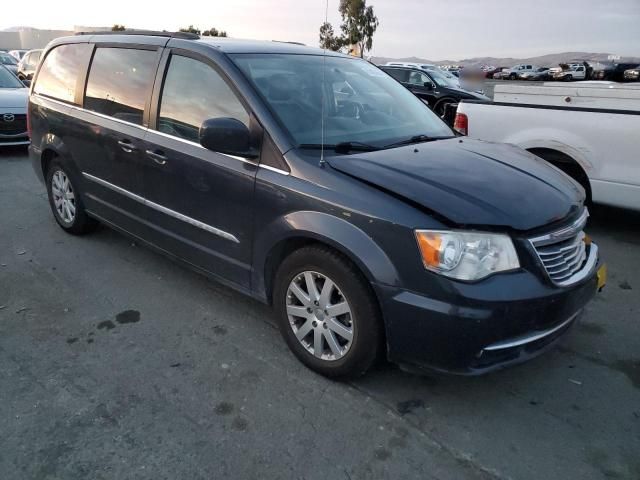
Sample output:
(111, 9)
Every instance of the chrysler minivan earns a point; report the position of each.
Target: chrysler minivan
(314, 182)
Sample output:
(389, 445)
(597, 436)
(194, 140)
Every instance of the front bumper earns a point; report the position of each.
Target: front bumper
(503, 320)
(10, 140)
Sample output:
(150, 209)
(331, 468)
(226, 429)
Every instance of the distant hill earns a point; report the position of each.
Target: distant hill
(542, 60)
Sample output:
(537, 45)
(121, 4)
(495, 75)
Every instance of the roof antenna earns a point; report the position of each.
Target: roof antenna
(324, 57)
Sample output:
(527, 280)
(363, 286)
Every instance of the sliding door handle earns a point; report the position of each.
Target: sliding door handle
(127, 146)
(158, 156)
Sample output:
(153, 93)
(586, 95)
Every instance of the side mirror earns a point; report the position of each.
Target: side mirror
(226, 135)
(428, 85)
(26, 83)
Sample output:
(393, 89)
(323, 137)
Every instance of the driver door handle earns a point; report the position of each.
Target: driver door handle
(158, 156)
(127, 146)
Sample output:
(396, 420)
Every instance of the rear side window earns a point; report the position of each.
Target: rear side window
(400, 75)
(194, 92)
(119, 82)
(59, 72)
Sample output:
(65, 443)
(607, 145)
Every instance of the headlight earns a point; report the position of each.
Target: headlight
(466, 255)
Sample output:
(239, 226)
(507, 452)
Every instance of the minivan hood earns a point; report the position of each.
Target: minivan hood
(470, 182)
(14, 98)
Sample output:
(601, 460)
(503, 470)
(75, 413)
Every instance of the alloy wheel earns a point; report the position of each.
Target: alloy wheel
(320, 316)
(63, 197)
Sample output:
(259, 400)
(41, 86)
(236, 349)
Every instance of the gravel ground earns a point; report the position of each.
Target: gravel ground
(117, 363)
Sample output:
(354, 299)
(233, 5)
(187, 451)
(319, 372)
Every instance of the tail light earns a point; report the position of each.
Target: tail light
(461, 124)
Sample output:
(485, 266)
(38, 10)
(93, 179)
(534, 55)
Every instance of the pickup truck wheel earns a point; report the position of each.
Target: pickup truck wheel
(568, 165)
(568, 78)
(513, 76)
(327, 313)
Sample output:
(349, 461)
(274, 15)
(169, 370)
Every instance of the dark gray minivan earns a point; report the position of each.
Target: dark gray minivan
(315, 182)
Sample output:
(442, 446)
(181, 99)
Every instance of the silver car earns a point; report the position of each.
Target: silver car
(13, 109)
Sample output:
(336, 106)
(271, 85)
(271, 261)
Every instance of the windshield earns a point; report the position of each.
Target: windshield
(8, 79)
(6, 59)
(362, 104)
(443, 80)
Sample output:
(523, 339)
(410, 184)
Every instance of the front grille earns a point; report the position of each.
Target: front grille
(563, 253)
(15, 127)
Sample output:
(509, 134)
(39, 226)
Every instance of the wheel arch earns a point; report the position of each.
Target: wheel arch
(300, 229)
(52, 147)
(442, 100)
(567, 164)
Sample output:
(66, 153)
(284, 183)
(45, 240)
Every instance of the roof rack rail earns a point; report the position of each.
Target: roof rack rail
(290, 42)
(151, 33)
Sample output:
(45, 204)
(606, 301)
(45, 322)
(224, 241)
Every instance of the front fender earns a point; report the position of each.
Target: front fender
(336, 232)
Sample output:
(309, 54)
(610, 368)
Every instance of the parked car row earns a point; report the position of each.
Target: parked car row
(570, 71)
(432, 86)
(315, 182)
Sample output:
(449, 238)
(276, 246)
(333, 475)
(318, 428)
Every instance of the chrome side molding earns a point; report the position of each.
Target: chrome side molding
(160, 208)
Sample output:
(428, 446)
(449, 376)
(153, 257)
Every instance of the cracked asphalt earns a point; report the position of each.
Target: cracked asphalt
(117, 363)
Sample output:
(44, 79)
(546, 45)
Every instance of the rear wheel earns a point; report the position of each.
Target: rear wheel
(66, 201)
(327, 313)
(568, 165)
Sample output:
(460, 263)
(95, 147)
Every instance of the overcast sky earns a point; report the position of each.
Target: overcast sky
(433, 29)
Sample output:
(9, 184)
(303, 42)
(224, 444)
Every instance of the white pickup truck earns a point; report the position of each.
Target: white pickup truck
(589, 130)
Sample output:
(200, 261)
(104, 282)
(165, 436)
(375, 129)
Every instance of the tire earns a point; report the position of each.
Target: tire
(568, 78)
(300, 316)
(440, 105)
(513, 76)
(65, 199)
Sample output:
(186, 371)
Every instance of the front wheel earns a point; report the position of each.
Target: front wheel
(327, 312)
(65, 200)
(441, 106)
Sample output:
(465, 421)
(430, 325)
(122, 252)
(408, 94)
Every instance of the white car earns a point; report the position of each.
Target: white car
(514, 72)
(587, 129)
(570, 72)
(17, 54)
(13, 109)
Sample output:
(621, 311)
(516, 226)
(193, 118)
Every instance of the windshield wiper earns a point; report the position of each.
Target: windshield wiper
(415, 139)
(342, 147)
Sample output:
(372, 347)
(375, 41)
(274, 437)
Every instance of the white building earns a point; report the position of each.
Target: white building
(26, 38)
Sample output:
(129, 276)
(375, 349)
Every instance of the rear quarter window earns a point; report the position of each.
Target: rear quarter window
(59, 73)
(120, 81)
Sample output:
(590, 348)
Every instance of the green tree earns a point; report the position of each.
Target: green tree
(214, 32)
(328, 38)
(191, 29)
(118, 28)
(359, 23)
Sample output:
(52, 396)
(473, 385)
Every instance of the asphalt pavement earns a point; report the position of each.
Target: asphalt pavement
(117, 363)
